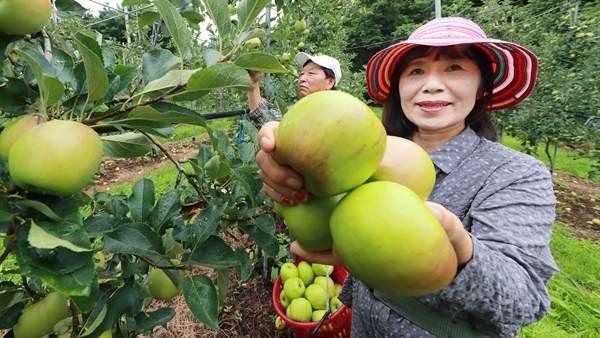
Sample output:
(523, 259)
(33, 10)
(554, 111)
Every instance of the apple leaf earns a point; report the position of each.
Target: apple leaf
(145, 113)
(211, 56)
(156, 63)
(141, 200)
(134, 238)
(148, 18)
(244, 269)
(97, 80)
(221, 75)
(16, 96)
(222, 285)
(51, 89)
(219, 13)
(134, 2)
(40, 239)
(251, 34)
(167, 207)
(212, 253)
(176, 25)
(86, 303)
(171, 79)
(265, 240)
(126, 145)
(201, 297)
(265, 63)
(206, 223)
(248, 11)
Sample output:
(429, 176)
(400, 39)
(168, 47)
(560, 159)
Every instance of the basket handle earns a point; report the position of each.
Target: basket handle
(316, 329)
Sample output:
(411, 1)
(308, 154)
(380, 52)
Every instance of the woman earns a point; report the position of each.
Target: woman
(320, 72)
(496, 205)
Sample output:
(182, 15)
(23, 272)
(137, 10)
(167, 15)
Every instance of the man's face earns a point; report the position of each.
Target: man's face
(312, 79)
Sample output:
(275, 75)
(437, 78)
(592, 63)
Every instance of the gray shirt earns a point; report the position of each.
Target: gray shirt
(258, 116)
(506, 201)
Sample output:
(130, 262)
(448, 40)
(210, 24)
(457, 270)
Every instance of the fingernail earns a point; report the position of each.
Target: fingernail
(300, 196)
(262, 140)
(286, 201)
(293, 183)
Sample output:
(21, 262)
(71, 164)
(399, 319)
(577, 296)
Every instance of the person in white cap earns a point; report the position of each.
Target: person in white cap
(321, 72)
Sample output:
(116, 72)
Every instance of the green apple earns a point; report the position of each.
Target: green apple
(253, 43)
(285, 57)
(322, 269)
(38, 319)
(300, 26)
(232, 9)
(280, 324)
(106, 334)
(317, 315)
(283, 299)
(405, 162)
(13, 130)
(24, 16)
(287, 271)
(306, 31)
(301, 45)
(309, 222)
(299, 310)
(335, 304)
(327, 284)
(163, 284)
(305, 272)
(332, 139)
(316, 295)
(338, 288)
(294, 288)
(57, 157)
(390, 240)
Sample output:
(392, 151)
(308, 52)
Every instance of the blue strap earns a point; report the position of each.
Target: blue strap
(242, 130)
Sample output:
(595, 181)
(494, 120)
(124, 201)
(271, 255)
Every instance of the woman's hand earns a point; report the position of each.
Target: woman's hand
(280, 182)
(329, 257)
(459, 237)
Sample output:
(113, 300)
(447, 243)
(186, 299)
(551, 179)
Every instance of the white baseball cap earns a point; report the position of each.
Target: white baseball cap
(323, 61)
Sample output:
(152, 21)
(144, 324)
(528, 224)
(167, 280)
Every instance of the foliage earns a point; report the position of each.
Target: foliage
(79, 77)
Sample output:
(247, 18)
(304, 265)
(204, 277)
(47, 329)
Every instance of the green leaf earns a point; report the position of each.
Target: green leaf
(167, 206)
(219, 13)
(222, 285)
(135, 239)
(8, 299)
(192, 16)
(211, 56)
(147, 321)
(66, 271)
(266, 223)
(16, 97)
(156, 63)
(248, 11)
(176, 25)
(169, 81)
(206, 223)
(148, 18)
(134, 2)
(265, 63)
(97, 80)
(246, 152)
(40, 239)
(221, 75)
(85, 304)
(249, 183)
(41, 207)
(51, 89)
(150, 114)
(125, 145)
(213, 253)
(172, 247)
(201, 297)
(62, 62)
(244, 269)
(265, 240)
(141, 201)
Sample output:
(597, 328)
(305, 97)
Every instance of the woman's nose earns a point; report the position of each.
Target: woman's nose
(433, 82)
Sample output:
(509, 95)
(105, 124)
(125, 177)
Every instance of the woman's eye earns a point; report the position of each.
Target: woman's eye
(455, 67)
(416, 71)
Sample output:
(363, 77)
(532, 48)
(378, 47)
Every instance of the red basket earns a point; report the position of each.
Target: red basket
(336, 325)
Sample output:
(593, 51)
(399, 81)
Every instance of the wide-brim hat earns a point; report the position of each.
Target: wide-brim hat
(515, 68)
(325, 61)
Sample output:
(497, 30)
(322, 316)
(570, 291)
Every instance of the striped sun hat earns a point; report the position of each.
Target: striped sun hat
(515, 68)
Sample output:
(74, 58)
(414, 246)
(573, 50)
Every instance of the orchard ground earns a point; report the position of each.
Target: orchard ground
(248, 309)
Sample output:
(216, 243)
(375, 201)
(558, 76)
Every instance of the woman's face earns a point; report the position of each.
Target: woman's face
(437, 94)
(312, 79)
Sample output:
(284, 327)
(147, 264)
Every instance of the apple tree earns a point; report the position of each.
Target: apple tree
(98, 250)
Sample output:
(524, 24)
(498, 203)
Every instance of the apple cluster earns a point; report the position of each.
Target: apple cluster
(367, 195)
(308, 290)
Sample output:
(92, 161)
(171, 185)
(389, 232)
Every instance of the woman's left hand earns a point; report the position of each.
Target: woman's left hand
(459, 237)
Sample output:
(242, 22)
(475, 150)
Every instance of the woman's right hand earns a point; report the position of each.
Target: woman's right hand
(280, 182)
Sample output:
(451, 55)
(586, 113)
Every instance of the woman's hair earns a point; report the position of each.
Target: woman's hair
(397, 124)
(329, 74)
